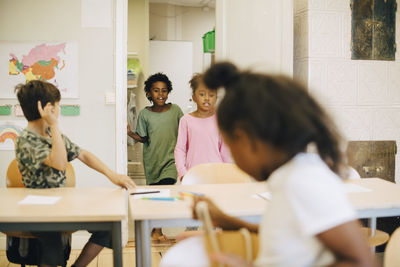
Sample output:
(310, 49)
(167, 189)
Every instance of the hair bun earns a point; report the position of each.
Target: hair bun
(221, 74)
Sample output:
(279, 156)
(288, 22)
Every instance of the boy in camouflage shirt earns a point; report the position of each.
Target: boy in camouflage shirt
(43, 153)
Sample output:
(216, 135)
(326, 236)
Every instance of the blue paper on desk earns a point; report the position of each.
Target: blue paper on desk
(162, 193)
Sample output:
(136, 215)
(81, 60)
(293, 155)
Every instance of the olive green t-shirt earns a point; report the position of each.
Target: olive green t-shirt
(161, 129)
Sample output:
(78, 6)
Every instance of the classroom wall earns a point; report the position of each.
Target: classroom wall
(181, 23)
(138, 41)
(94, 129)
(256, 34)
(363, 95)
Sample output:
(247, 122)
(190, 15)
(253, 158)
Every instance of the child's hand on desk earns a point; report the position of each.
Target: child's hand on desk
(218, 217)
(122, 180)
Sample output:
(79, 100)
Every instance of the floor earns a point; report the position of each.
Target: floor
(105, 258)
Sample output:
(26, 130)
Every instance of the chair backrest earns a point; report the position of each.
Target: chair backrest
(352, 173)
(215, 173)
(14, 177)
(392, 255)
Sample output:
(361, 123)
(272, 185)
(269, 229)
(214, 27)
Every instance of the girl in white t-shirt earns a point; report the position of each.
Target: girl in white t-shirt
(268, 122)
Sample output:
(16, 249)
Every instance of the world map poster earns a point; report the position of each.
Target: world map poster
(54, 62)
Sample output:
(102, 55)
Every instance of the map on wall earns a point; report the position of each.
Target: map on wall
(9, 131)
(56, 63)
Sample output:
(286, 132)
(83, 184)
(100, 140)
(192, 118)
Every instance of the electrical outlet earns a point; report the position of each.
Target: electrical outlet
(110, 98)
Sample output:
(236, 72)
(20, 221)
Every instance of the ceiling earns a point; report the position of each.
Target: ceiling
(193, 3)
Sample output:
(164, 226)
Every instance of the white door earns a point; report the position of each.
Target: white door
(175, 59)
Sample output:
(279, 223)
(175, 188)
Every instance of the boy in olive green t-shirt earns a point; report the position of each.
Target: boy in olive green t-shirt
(158, 152)
(157, 129)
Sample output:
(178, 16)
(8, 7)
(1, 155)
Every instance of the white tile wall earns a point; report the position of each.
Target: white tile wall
(325, 36)
(341, 82)
(362, 96)
(338, 5)
(373, 80)
(394, 82)
(317, 4)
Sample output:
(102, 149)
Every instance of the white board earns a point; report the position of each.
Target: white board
(175, 59)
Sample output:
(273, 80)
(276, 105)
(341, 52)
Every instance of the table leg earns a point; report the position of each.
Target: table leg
(142, 243)
(116, 244)
(372, 225)
(146, 243)
(138, 243)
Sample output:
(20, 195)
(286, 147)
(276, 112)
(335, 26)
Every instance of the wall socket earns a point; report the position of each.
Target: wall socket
(110, 98)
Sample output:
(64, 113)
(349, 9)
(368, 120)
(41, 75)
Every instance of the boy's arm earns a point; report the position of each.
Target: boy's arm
(93, 162)
(136, 136)
(57, 158)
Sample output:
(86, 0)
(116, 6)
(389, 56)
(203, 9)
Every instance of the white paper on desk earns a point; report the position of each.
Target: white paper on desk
(39, 200)
(353, 188)
(263, 195)
(163, 193)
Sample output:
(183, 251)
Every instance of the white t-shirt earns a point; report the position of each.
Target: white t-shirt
(307, 198)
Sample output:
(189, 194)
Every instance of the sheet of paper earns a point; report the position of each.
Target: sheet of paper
(353, 188)
(263, 195)
(163, 193)
(39, 200)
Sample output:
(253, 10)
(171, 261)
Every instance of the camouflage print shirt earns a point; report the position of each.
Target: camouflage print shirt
(31, 150)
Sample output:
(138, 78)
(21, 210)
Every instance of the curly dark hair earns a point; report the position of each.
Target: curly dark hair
(195, 81)
(157, 77)
(30, 93)
(274, 109)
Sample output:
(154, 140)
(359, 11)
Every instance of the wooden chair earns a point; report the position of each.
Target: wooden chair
(377, 239)
(391, 257)
(14, 179)
(208, 173)
(215, 173)
(212, 173)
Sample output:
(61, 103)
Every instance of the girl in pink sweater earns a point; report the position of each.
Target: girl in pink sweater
(199, 140)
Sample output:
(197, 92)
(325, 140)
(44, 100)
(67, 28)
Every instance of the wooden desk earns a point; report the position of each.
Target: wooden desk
(95, 209)
(234, 199)
(237, 200)
(382, 201)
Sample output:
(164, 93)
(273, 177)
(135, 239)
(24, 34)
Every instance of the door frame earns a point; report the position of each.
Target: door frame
(120, 84)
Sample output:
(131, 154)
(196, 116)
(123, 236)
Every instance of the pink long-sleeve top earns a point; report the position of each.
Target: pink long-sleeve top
(199, 141)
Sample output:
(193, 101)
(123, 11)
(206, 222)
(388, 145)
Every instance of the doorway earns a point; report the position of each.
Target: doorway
(175, 31)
